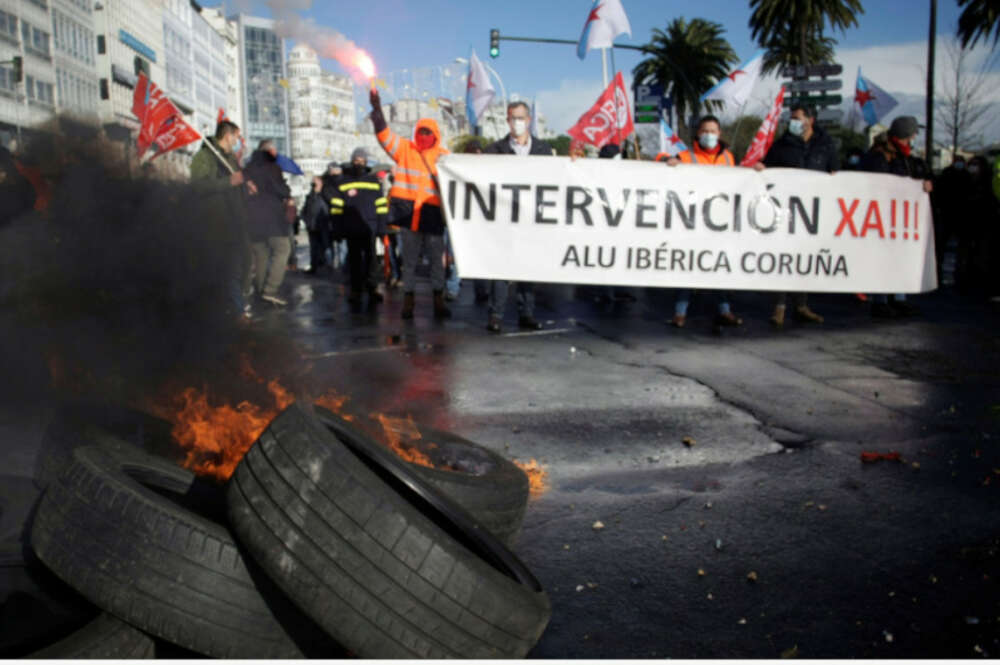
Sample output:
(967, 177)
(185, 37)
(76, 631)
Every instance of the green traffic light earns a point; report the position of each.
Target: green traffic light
(494, 52)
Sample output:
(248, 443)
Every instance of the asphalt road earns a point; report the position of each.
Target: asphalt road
(764, 535)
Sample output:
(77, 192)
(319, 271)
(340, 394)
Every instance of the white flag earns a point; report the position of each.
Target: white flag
(736, 87)
(479, 91)
(605, 21)
(670, 143)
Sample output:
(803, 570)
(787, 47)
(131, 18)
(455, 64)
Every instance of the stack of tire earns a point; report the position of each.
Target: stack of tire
(322, 543)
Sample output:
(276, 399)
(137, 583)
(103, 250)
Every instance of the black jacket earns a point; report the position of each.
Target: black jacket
(315, 211)
(818, 154)
(884, 157)
(502, 147)
(357, 205)
(17, 195)
(266, 209)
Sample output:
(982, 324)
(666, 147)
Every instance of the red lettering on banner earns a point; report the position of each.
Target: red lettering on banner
(892, 221)
(873, 211)
(847, 217)
(906, 220)
(916, 236)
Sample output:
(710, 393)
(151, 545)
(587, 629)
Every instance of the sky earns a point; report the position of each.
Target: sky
(890, 41)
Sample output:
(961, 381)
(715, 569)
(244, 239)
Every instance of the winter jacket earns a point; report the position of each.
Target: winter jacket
(210, 179)
(266, 216)
(698, 155)
(315, 211)
(502, 147)
(358, 206)
(885, 157)
(17, 195)
(817, 154)
(416, 200)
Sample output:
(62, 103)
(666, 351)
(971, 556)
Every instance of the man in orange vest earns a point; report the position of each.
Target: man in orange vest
(416, 202)
(708, 150)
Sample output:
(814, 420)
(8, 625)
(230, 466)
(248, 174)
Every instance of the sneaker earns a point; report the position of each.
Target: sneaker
(528, 323)
(805, 315)
(494, 324)
(728, 320)
(881, 310)
(678, 321)
(274, 300)
(778, 318)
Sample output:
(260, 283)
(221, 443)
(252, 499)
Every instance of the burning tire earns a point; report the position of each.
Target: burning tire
(488, 486)
(382, 561)
(113, 527)
(106, 637)
(71, 427)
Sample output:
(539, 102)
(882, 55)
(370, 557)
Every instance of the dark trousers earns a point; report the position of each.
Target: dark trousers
(319, 242)
(362, 262)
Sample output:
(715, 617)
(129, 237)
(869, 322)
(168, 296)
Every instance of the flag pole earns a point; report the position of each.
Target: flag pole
(218, 154)
(604, 65)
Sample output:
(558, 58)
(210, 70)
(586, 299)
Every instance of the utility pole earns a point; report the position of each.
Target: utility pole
(929, 131)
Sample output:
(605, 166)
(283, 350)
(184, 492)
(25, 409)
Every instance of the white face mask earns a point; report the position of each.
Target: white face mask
(519, 127)
(796, 127)
(708, 141)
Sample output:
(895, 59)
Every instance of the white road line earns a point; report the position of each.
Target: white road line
(352, 352)
(535, 333)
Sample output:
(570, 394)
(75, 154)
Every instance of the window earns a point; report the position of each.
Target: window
(6, 79)
(8, 25)
(102, 47)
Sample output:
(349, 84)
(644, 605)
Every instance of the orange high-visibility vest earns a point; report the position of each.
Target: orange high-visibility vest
(696, 155)
(413, 181)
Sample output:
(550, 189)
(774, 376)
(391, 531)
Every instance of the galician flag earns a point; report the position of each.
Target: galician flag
(736, 87)
(670, 143)
(605, 21)
(479, 91)
(873, 100)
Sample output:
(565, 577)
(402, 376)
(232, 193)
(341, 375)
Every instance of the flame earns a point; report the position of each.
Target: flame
(395, 431)
(365, 64)
(537, 476)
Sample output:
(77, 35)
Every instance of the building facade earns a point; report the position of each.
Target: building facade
(228, 32)
(26, 31)
(264, 89)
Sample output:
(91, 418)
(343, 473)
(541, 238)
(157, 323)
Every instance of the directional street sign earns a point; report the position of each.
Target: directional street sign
(806, 71)
(816, 85)
(815, 100)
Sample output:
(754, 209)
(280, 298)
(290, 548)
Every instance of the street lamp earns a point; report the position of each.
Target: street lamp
(503, 91)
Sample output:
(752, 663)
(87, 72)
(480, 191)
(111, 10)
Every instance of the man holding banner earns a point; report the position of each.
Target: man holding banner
(518, 142)
(805, 145)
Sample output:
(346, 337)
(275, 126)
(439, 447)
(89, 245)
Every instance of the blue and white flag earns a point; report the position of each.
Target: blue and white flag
(605, 21)
(736, 86)
(670, 143)
(875, 102)
(479, 90)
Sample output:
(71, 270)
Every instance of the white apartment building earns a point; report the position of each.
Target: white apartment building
(26, 31)
(228, 31)
(74, 49)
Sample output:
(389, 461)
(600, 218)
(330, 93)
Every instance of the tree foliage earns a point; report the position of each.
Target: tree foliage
(792, 30)
(561, 144)
(978, 19)
(692, 56)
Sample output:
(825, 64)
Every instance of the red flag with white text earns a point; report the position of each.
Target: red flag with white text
(609, 120)
(173, 134)
(765, 135)
(161, 122)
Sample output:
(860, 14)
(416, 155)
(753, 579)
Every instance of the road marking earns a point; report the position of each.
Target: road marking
(535, 333)
(352, 352)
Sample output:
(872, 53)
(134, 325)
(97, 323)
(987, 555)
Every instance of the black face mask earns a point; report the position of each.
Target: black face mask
(356, 169)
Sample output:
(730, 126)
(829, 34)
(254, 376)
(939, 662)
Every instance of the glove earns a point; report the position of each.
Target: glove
(373, 97)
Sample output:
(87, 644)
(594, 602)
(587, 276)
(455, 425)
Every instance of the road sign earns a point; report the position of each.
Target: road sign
(816, 85)
(830, 115)
(805, 71)
(815, 100)
(649, 103)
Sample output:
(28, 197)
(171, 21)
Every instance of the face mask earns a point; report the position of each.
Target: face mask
(520, 127)
(708, 141)
(796, 127)
(425, 141)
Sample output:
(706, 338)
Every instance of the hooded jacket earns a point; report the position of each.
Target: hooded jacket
(416, 200)
(698, 155)
(266, 209)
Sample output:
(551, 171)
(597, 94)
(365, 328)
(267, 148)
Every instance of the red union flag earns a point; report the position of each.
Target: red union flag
(609, 120)
(161, 121)
(173, 134)
(765, 135)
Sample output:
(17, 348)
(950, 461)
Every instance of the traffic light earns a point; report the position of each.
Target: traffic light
(494, 43)
(18, 69)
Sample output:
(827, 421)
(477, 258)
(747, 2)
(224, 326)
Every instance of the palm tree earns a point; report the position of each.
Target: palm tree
(792, 30)
(978, 19)
(692, 56)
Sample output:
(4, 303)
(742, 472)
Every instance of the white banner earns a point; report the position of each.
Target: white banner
(549, 219)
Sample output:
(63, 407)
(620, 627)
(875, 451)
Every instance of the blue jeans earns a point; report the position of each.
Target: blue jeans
(684, 299)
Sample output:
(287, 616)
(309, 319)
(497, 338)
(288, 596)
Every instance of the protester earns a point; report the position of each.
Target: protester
(891, 153)
(853, 160)
(709, 150)
(416, 202)
(267, 222)
(519, 141)
(17, 196)
(953, 191)
(981, 221)
(358, 210)
(316, 216)
(216, 175)
(804, 145)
